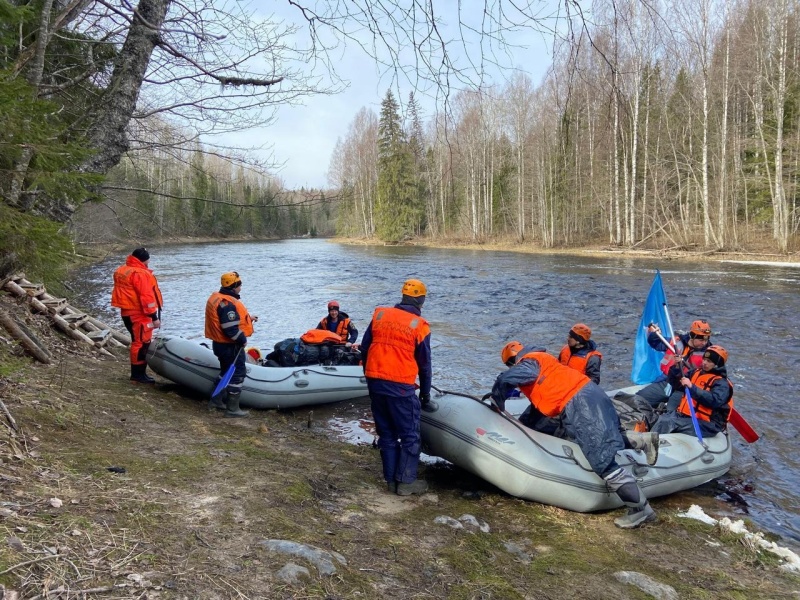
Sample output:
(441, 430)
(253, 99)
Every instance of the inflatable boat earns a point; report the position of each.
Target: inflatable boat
(194, 365)
(539, 467)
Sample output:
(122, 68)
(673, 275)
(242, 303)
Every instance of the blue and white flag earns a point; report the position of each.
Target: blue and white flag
(646, 361)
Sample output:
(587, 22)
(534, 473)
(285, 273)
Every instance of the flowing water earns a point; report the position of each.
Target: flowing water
(477, 301)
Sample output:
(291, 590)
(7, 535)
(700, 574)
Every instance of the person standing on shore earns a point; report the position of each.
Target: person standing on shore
(228, 324)
(395, 349)
(138, 297)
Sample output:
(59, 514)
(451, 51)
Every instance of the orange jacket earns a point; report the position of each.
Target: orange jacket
(136, 289)
(554, 387)
(318, 336)
(214, 327)
(574, 361)
(705, 381)
(395, 335)
(342, 327)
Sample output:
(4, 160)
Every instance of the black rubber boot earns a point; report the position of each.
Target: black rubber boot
(232, 409)
(138, 375)
(220, 400)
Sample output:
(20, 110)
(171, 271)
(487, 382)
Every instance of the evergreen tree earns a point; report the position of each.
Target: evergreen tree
(396, 210)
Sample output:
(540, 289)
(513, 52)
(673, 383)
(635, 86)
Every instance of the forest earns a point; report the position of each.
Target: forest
(665, 125)
(669, 125)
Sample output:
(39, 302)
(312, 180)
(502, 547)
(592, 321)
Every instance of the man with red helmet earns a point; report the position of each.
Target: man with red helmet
(711, 394)
(396, 349)
(588, 417)
(689, 348)
(339, 323)
(581, 352)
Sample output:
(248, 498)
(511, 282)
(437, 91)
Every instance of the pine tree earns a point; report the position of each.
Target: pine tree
(395, 209)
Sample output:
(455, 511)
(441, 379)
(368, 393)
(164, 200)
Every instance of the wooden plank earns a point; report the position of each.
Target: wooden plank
(56, 304)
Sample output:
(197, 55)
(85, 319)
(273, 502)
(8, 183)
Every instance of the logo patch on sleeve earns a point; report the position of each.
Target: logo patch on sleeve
(232, 315)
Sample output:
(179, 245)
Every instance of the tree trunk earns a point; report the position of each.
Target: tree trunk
(108, 134)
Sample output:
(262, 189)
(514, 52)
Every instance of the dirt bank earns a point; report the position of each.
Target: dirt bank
(113, 490)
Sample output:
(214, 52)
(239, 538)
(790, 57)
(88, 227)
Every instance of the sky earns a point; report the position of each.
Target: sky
(301, 139)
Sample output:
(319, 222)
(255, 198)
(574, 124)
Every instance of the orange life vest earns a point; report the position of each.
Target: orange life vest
(136, 289)
(341, 327)
(395, 335)
(318, 336)
(554, 387)
(704, 381)
(574, 361)
(693, 357)
(214, 327)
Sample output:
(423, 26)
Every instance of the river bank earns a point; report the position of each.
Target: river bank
(791, 258)
(117, 490)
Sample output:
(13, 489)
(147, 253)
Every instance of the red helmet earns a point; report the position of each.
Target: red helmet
(333, 304)
(700, 327)
(510, 350)
(716, 354)
(582, 331)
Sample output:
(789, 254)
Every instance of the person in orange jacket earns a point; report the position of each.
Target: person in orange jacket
(228, 325)
(138, 297)
(396, 349)
(339, 323)
(581, 352)
(589, 418)
(712, 398)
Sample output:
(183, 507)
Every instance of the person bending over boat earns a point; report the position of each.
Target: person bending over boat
(581, 352)
(138, 297)
(690, 348)
(339, 323)
(395, 349)
(712, 397)
(227, 326)
(587, 415)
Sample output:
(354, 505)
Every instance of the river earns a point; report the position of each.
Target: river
(477, 301)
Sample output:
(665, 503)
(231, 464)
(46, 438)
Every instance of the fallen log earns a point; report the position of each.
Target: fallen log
(16, 332)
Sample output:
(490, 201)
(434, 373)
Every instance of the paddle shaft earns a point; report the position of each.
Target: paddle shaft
(226, 379)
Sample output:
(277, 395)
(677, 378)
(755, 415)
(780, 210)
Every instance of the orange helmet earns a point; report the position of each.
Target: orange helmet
(716, 354)
(230, 279)
(333, 304)
(414, 288)
(700, 327)
(582, 331)
(510, 350)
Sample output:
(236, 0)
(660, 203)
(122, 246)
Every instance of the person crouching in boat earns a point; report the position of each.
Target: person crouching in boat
(587, 415)
(712, 397)
(339, 323)
(690, 348)
(581, 352)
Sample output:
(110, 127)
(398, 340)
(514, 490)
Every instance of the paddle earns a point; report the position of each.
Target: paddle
(226, 379)
(737, 421)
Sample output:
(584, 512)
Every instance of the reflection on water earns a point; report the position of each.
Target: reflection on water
(477, 301)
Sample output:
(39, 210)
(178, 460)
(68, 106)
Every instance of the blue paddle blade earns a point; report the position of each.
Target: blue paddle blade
(223, 383)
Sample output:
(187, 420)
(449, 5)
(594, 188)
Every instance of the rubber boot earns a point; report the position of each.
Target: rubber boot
(646, 442)
(232, 409)
(639, 509)
(391, 487)
(218, 401)
(138, 375)
(418, 486)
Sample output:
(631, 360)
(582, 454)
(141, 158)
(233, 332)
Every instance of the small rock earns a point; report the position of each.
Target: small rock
(449, 521)
(55, 502)
(648, 585)
(15, 543)
(292, 573)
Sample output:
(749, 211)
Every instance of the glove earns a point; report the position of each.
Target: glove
(513, 394)
(424, 399)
